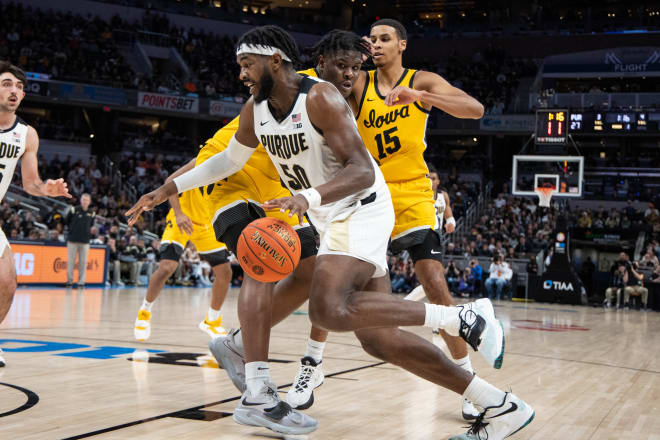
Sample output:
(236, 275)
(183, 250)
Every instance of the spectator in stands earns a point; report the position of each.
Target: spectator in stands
(523, 247)
(649, 260)
(452, 274)
(498, 279)
(585, 220)
(655, 276)
(466, 282)
(651, 211)
(113, 262)
(532, 266)
(477, 273)
(79, 220)
(635, 286)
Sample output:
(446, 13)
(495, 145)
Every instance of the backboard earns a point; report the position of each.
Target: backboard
(563, 173)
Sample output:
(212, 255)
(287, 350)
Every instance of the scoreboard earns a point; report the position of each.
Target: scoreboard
(551, 127)
(641, 122)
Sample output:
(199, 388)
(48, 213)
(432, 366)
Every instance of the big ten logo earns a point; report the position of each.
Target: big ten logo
(61, 264)
(24, 263)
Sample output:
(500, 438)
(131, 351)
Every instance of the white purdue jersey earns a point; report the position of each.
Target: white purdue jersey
(302, 156)
(12, 147)
(440, 207)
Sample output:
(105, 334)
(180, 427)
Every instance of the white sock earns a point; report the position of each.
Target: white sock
(213, 315)
(146, 305)
(442, 317)
(465, 364)
(256, 374)
(315, 350)
(483, 394)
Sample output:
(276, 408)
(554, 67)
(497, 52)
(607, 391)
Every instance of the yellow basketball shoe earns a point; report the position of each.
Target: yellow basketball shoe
(213, 328)
(142, 329)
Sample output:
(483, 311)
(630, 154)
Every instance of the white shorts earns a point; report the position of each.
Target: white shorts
(4, 244)
(362, 232)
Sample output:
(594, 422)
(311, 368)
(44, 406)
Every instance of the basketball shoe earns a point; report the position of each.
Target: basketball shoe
(2, 359)
(469, 411)
(268, 411)
(142, 329)
(482, 331)
(309, 377)
(231, 357)
(212, 328)
(499, 422)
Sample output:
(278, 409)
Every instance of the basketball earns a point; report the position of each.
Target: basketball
(268, 249)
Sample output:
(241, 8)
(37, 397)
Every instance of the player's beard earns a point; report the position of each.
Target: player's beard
(266, 84)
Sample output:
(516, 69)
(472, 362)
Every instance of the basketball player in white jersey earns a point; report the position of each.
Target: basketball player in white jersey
(18, 141)
(311, 136)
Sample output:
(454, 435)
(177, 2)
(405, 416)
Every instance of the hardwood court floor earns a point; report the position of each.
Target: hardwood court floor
(589, 373)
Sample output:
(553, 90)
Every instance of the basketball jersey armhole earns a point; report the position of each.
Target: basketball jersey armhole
(364, 93)
(417, 104)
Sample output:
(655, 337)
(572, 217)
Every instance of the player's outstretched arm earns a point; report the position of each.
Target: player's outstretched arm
(217, 167)
(32, 183)
(329, 112)
(450, 222)
(433, 90)
(183, 222)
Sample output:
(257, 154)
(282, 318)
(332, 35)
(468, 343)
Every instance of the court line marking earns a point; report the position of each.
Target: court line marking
(599, 364)
(32, 399)
(198, 407)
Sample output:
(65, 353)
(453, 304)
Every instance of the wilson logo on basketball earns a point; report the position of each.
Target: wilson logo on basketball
(278, 258)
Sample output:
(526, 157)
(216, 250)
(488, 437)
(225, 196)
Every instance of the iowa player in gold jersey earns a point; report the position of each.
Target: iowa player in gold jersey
(187, 221)
(392, 104)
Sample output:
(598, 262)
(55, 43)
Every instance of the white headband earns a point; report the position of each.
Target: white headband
(259, 49)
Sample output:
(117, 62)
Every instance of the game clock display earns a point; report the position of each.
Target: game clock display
(551, 127)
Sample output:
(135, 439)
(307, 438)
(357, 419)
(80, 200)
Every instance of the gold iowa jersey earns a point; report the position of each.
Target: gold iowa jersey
(395, 136)
(192, 204)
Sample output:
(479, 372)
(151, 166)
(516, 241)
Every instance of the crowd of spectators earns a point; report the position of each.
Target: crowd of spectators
(61, 44)
(491, 76)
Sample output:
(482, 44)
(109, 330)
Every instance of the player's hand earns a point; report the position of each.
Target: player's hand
(184, 223)
(449, 228)
(56, 188)
(401, 95)
(371, 48)
(296, 205)
(146, 203)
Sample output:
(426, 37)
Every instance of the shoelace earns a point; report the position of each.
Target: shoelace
(306, 372)
(477, 425)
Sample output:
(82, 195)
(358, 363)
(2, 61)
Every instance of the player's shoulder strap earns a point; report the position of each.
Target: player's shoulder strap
(368, 79)
(310, 72)
(411, 81)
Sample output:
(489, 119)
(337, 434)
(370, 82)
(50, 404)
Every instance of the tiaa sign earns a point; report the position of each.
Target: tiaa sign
(558, 285)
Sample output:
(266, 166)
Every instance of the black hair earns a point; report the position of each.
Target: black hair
(273, 36)
(6, 66)
(400, 29)
(337, 41)
(431, 168)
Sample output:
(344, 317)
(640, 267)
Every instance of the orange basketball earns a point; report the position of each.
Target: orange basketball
(268, 249)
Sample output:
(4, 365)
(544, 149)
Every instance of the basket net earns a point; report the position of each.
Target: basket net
(545, 194)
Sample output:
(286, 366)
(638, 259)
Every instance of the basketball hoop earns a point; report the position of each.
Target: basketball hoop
(545, 194)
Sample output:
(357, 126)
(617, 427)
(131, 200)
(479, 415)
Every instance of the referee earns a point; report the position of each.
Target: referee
(79, 220)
